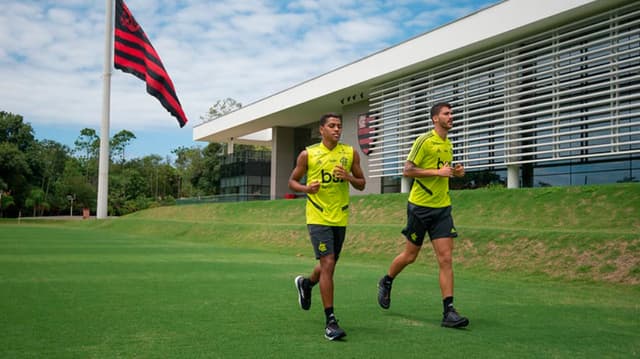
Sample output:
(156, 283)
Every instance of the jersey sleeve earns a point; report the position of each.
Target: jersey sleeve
(416, 155)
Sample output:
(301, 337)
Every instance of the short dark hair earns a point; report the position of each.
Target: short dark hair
(326, 116)
(435, 109)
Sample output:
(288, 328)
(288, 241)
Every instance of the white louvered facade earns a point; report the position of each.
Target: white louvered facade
(571, 93)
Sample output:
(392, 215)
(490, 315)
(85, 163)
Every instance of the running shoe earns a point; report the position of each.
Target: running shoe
(333, 331)
(304, 293)
(384, 293)
(452, 319)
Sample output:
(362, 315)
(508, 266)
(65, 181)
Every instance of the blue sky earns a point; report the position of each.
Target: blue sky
(52, 56)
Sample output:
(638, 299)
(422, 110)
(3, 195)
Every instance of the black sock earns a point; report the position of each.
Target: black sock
(447, 303)
(388, 279)
(328, 312)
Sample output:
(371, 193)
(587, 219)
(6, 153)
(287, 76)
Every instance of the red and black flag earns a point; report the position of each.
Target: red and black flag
(365, 132)
(133, 53)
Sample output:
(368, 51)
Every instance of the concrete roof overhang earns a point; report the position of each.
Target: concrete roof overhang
(304, 103)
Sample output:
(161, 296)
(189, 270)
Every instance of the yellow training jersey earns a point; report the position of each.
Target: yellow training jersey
(330, 205)
(431, 151)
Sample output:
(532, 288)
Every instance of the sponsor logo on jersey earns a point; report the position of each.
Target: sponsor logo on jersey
(328, 177)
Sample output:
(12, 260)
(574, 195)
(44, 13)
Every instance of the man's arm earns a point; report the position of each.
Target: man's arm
(458, 170)
(357, 179)
(413, 171)
(298, 172)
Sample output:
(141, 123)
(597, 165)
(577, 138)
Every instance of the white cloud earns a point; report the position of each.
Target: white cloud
(52, 52)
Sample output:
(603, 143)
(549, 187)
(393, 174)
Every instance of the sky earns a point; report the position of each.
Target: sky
(52, 55)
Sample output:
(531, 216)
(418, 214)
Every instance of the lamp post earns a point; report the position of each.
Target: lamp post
(71, 198)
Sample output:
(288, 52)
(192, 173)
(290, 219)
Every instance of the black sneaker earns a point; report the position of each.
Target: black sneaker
(333, 331)
(384, 293)
(304, 293)
(452, 319)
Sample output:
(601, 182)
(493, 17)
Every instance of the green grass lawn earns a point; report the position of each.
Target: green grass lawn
(120, 289)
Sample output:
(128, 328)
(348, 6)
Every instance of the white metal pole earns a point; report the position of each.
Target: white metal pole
(103, 169)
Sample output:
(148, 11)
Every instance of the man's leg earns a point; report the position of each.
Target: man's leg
(327, 268)
(406, 257)
(315, 274)
(324, 272)
(443, 248)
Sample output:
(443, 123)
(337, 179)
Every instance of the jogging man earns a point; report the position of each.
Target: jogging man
(429, 211)
(330, 167)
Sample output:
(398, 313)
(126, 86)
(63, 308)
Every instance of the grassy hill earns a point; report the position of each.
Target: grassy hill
(584, 233)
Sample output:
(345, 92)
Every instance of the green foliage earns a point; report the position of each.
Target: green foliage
(220, 108)
(190, 167)
(87, 144)
(15, 131)
(14, 171)
(6, 201)
(119, 142)
(209, 181)
(66, 180)
(36, 201)
(16, 139)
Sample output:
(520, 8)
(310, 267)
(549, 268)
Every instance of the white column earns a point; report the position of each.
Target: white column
(230, 146)
(103, 163)
(513, 176)
(405, 184)
(283, 160)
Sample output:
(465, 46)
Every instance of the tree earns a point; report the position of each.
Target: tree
(5, 202)
(15, 172)
(14, 130)
(18, 162)
(127, 186)
(74, 183)
(36, 201)
(6, 199)
(159, 175)
(209, 182)
(189, 165)
(119, 142)
(88, 145)
(51, 158)
(220, 108)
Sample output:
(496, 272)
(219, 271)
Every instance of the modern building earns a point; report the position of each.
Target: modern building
(545, 92)
(245, 175)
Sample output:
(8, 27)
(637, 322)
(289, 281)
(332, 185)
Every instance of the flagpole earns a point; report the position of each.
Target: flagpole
(103, 169)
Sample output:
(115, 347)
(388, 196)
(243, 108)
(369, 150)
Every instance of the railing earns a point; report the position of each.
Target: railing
(233, 197)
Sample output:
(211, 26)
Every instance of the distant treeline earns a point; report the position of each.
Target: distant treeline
(44, 177)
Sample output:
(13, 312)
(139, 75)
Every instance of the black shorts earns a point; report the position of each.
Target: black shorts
(326, 239)
(438, 222)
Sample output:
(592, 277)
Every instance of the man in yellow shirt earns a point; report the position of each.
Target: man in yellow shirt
(329, 168)
(429, 211)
